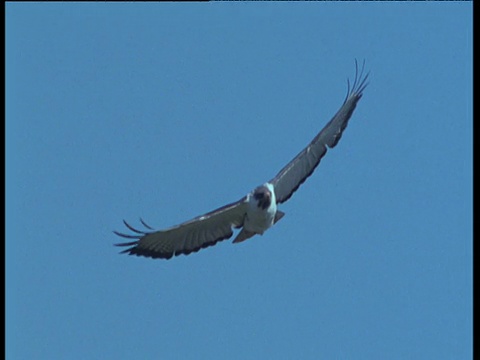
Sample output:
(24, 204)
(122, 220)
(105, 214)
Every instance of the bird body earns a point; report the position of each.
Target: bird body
(257, 211)
(261, 212)
(261, 209)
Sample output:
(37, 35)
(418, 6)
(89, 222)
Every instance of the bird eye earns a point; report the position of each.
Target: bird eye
(259, 195)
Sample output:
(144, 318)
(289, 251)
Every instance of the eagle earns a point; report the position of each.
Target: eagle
(258, 210)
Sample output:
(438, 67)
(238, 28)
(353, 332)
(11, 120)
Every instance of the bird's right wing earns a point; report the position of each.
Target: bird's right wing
(288, 180)
(191, 236)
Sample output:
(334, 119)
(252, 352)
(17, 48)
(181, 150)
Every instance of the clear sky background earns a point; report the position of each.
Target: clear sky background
(167, 111)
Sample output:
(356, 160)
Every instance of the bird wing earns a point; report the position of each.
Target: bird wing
(188, 237)
(288, 180)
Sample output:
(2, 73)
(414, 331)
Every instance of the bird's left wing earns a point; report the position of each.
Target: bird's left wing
(191, 236)
(302, 166)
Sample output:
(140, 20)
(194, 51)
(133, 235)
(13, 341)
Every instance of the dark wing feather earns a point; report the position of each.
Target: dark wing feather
(191, 236)
(302, 166)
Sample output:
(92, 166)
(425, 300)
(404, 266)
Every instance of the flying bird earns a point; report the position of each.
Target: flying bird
(258, 210)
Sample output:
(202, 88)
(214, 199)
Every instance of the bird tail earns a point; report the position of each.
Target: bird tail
(278, 215)
(243, 235)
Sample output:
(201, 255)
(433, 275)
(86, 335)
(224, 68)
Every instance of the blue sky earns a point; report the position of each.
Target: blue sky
(167, 111)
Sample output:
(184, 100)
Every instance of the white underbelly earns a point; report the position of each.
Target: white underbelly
(258, 220)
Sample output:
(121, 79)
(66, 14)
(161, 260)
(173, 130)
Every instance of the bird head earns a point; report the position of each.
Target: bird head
(263, 196)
